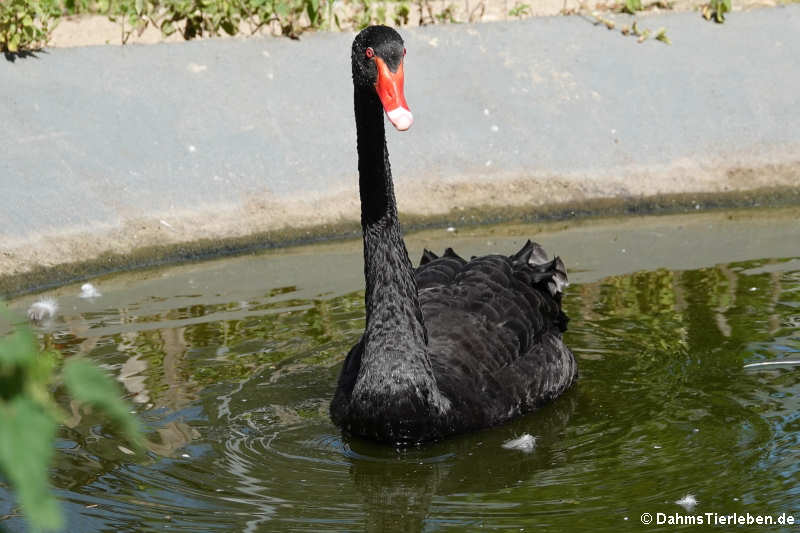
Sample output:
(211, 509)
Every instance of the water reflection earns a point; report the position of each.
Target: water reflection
(399, 487)
(235, 396)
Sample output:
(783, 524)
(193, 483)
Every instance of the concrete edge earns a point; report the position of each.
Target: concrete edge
(40, 278)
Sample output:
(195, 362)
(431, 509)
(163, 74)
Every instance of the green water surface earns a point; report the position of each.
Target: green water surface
(234, 387)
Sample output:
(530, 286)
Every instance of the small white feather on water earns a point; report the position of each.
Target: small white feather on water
(688, 502)
(89, 291)
(525, 443)
(42, 309)
(779, 362)
(125, 450)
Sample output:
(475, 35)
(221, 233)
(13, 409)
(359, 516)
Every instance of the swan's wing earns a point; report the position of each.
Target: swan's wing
(494, 328)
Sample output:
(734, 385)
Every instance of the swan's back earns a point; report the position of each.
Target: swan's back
(494, 328)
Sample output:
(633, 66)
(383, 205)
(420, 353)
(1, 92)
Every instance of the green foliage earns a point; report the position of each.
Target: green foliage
(716, 10)
(26, 450)
(200, 18)
(520, 10)
(29, 417)
(74, 7)
(661, 35)
(363, 16)
(448, 14)
(27, 426)
(401, 14)
(26, 24)
(90, 386)
(632, 6)
(208, 18)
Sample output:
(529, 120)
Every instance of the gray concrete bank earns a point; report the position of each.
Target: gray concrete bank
(108, 151)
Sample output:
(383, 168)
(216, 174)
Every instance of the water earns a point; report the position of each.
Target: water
(231, 365)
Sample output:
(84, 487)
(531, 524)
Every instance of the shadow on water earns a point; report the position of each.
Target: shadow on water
(234, 388)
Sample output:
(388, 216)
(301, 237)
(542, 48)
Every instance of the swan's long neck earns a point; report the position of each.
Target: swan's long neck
(395, 392)
(394, 318)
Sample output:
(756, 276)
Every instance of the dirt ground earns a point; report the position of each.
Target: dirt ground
(91, 30)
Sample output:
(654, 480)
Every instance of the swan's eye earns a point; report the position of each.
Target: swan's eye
(370, 53)
(404, 52)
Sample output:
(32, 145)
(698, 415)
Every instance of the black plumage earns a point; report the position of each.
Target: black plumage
(454, 345)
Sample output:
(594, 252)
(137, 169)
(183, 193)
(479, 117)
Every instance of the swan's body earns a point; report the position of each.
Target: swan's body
(454, 345)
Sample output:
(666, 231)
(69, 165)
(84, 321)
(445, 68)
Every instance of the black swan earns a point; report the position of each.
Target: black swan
(454, 345)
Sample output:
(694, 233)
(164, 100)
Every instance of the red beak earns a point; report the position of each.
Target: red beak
(390, 90)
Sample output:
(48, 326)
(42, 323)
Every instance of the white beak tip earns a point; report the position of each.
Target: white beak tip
(401, 118)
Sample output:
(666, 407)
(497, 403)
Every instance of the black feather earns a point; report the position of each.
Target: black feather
(427, 256)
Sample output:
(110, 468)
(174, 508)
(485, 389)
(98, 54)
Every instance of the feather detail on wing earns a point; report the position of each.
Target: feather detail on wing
(494, 326)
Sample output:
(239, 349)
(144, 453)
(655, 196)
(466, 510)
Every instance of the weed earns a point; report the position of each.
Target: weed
(520, 10)
(27, 25)
(661, 35)
(447, 14)
(716, 10)
(632, 6)
(401, 14)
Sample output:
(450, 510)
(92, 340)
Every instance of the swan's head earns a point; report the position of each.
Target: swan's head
(378, 54)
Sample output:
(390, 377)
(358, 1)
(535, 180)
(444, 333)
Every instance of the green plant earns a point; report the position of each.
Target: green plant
(208, 18)
(520, 10)
(202, 17)
(362, 16)
(133, 15)
(26, 24)
(29, 417)
(74, 7)
(401, 14)
(289, 14)
(632, 6)
(716, 9)
(448, 14)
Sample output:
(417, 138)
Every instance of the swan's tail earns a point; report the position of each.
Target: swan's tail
(553, 272)
(428, 256)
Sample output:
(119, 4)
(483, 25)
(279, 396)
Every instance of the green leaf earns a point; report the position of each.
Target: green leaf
(89, 385)
(26, 450)
(19, 348)
(632, 6)
(312, 8)
(661, 35)
(228, 26)
(282, 9)
(27, 21)
(139, 7)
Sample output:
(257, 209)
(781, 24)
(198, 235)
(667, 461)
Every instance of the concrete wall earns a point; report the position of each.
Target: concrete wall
(110, 150)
